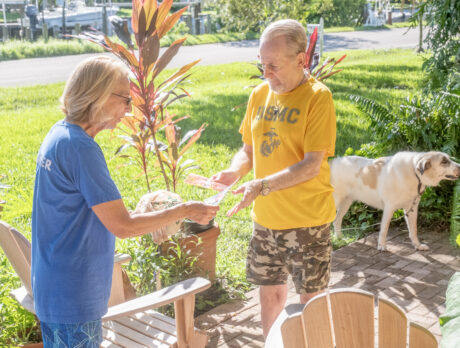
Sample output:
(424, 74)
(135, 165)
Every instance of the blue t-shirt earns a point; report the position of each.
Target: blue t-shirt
(72, 251)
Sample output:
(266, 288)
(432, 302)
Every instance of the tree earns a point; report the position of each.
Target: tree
(443, 24)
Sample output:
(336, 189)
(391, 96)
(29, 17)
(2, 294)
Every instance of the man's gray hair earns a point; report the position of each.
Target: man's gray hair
(293, 32)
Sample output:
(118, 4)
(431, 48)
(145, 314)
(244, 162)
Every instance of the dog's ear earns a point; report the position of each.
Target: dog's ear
(423, 165)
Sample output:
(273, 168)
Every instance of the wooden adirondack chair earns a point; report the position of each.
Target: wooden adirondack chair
(133, 323)
(344, 318)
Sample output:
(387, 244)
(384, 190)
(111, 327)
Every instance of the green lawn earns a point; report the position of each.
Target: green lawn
(26, 114)
(19, 49)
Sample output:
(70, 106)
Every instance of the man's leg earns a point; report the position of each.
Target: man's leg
(272, 301)
(304, 298)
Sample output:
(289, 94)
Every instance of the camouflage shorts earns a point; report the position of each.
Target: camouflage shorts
(304, 253)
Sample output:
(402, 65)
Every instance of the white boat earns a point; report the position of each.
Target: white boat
(77, 12)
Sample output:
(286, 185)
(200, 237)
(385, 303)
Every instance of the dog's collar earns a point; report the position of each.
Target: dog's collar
(420, 188)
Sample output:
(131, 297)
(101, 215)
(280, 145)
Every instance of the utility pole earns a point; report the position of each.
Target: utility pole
(104, 17)
(420, 37)
(5, 27)
(420, 25)
(63, 17)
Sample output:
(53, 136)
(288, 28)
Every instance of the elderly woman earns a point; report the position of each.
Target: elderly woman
(78, 210)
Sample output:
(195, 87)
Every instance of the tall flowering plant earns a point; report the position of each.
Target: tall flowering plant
(150, 22)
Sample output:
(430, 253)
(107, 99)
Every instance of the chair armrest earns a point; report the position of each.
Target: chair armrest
(121, 258)
(158, 298)
(25, 300)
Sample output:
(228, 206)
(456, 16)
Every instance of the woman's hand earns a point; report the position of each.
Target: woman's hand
(250, 191)
(161, 235)
(201, 212)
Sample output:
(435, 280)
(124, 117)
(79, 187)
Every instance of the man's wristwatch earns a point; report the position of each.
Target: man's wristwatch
(265, 190)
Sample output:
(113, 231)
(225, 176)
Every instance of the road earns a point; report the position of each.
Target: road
(26, 72)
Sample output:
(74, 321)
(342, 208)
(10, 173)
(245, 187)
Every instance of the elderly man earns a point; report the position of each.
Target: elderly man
(288, 134)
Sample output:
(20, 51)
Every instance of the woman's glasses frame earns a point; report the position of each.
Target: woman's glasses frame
(127, 99)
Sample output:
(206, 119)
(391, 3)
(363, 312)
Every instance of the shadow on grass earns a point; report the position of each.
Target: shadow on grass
(374, 77)
(223, 123)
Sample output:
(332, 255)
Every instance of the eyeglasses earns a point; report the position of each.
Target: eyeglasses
(128, 99)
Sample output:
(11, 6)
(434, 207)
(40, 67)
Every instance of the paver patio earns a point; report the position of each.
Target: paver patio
(415, 280)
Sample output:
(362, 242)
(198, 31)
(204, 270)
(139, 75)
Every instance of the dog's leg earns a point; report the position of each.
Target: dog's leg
(342, 208)
(384, 225)
(410, 215)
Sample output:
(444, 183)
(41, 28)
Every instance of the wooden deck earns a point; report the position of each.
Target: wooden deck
(416, 281)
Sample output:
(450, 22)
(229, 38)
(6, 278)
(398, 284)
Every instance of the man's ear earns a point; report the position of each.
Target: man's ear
(301, 60)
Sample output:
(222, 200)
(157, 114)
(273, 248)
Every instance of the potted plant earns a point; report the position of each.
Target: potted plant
(150, 22)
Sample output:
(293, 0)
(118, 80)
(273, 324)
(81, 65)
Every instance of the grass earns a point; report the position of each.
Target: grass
(19, 49)
(27, 113)
(363, 27)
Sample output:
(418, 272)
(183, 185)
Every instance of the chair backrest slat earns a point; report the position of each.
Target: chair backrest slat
(317, 323)
(392, 325)
(18, 251)
(419, 337)
(293, 333)
(353, 318)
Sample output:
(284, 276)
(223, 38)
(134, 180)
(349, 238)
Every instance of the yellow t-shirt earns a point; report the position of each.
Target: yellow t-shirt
(281, 128)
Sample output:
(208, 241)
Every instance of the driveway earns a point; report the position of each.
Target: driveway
(34, 71)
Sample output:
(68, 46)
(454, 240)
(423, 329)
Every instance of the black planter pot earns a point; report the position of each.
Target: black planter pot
(190, 227)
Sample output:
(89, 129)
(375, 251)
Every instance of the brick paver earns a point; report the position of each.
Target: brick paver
(414, 280)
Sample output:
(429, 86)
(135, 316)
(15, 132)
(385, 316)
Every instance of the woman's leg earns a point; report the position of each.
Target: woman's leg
(81, 335)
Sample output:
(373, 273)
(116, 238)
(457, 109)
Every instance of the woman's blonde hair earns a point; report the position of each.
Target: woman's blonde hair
(88, 88)
(292, 30)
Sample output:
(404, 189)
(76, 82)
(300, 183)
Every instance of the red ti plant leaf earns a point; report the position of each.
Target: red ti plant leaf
(121, 29)
(179, 73)
(329, 75)
(150, 8)
(150, 52)
(311, 48)
(163, 11)
(142, 27)
(340, 59)
(135, 18)
(152, 24)
(123, 53)
(194, 136)
(169, 119)
(169, 22)
(320, 69)
(167, 56)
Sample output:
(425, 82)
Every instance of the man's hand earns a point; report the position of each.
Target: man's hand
(250, 191)
(200, 212)
(226, 177)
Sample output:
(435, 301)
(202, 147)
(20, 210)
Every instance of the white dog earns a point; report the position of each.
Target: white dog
(389, 183)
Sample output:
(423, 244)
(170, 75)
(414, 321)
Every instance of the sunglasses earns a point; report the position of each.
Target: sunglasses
(127, 99)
